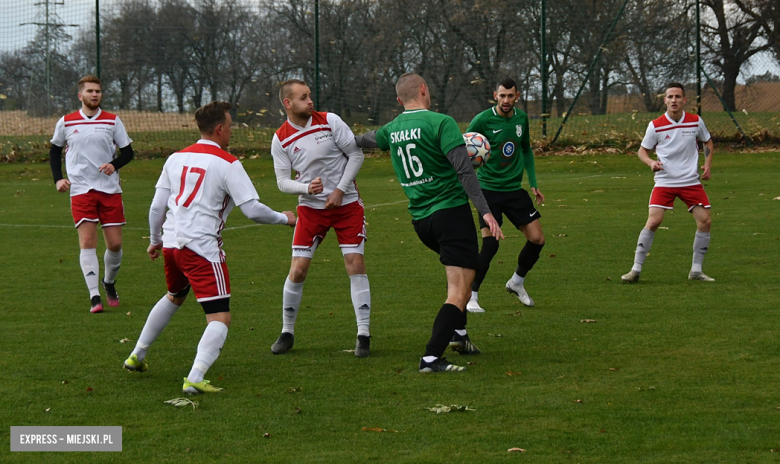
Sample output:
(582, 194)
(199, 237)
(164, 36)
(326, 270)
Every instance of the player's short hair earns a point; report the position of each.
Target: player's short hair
(88, 80)
(211, 115)
(506, 83)
(285, 90)
(407, 87)
(676, 85)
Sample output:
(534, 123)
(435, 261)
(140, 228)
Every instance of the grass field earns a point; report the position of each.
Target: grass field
(608, 130)
(672, 371)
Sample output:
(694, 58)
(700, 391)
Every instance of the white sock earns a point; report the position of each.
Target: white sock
(429, 359)
(208, 350)
(643, 245)
(90, 269)
(701, 243)
(475, 296)
(158, 318)
(112, 260)
(361, 301)
(517, 280)
(461, 332)
(291, 301)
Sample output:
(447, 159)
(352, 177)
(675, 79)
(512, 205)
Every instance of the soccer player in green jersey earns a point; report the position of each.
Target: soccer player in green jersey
(506, 128)
(430, 159)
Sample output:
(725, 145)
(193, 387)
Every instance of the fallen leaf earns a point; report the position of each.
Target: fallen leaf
(578, 401)
(515, 450)
(294, 389)
(266, 435)
(181, 402)
(560, 235)
(552, 256)
(125, 340)
(614, 368)
(297, 410)
(65, 381)
(495, 335)
(378, 429)
(609, 279)
(776, 198)
(514, 373)
(602, 431)
(49, 409)
(129, 312)
(251, 328)
(471, 363)
(664, 228)
(589, 320)
(89, 389)
(440, 408)
(347, 351)
(517, 314)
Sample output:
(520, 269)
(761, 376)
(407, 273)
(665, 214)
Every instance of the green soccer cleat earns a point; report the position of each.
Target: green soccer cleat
(132, 364)
(200, 387)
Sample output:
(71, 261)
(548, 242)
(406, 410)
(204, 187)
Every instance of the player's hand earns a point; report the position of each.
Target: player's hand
(107, 169)
(706, 174)
(63, 185)
(291, 219)
(656, 166)
(154, 251)
(495, 229)
(538, 194)
(316, 186)
(334, 199)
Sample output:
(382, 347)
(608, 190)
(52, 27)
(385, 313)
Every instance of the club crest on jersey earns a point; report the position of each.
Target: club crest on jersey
(519, 130)
(508, 149)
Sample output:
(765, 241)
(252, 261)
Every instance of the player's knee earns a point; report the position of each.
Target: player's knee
(537, 240)
(298, 274)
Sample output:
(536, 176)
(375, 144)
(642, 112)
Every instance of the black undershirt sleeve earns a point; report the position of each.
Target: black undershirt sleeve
(125, 156)
(55, 161)
(459, 159)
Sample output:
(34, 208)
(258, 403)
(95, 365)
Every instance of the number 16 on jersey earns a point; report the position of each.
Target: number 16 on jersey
(410, 161)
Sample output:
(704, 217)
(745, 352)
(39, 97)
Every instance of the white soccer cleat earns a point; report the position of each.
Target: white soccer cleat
(631, 277)
(520, 292)
(700, 276)
(474, 307)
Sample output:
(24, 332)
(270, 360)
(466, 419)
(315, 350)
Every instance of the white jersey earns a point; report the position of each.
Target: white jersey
(206, 182)
(675, 144)
(317, 150)
(91, 143)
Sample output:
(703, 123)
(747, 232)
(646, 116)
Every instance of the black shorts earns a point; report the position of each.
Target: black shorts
(517, 205)
(450, 232)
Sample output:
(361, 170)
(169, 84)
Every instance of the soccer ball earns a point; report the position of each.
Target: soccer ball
(478, 148)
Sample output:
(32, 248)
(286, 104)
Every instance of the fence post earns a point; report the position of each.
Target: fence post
(97, 38)
(698, 60)
(317, 55)
(543, 64)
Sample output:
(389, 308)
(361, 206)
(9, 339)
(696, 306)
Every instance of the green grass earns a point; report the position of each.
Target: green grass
(697, 363)
(612, 130)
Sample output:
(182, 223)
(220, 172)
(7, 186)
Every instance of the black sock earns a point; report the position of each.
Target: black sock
(444, 326)
(528, 256)
(489, 250)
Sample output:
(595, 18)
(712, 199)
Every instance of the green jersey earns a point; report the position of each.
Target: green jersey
(503, 171)
(419, 141)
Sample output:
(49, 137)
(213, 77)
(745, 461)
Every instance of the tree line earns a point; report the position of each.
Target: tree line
(175, 55)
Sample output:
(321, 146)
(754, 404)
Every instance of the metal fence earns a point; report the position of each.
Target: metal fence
(589, 73)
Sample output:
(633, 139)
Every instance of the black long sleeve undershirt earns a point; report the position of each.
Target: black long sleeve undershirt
(55, 161)
(125, 156)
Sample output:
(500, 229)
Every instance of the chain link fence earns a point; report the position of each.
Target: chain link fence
(600, 67)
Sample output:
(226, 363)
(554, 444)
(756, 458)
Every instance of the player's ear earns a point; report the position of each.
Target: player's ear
(398, 99)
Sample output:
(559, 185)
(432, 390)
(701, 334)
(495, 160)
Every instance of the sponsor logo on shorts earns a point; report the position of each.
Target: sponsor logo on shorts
(534, 213)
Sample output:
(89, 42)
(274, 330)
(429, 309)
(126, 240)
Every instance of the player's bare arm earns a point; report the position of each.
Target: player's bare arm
(538, 195)
(644, 155)
(709, 147)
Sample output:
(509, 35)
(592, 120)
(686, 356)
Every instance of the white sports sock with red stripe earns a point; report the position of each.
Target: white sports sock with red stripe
(208, 350)
(90, 268)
